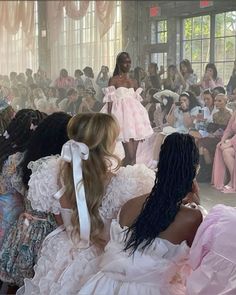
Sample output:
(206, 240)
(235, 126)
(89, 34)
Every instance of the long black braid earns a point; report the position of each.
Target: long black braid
(119, 60)
(18, 133)
(47, 140)
(177, 167)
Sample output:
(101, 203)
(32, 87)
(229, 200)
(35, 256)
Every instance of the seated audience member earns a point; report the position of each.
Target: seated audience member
(187, 72)
(70, 104)
(213, 255)
(150, 104)
(232, 81)
(174, 81)
(225, 160)
(22, 243)
(211, 137)
(210, 78)
(150, 239)
(89, 75)
(64, 80)
(89, 102)
(13, 144)
(181, 118)
(91, 187)
(153, 79)
(102, 81)
(29, 79)
(78, 78)
(166, 99)
(140, 76)
(205, 115)
(6, 115)
(13, 80)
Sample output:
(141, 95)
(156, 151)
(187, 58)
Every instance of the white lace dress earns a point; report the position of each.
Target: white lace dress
(63, 268)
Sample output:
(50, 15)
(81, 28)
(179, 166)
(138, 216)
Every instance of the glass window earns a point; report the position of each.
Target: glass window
(158, 32)
(82, 45)
(196, 42)
(16, 55)
(225, 37)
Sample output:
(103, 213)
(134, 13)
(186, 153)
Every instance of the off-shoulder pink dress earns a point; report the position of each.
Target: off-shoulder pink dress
(129, 112)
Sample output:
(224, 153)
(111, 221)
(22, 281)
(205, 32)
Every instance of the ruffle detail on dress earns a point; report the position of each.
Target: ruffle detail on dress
(43, 184)
(159, 269)
(61, 264)
(128, 183)
(109, 93)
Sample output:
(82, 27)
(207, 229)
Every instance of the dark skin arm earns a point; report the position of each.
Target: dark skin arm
(183, 228)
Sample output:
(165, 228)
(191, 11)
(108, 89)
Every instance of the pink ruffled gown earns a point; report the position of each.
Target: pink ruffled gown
(129, 112)
(213, 255)
(219, 168)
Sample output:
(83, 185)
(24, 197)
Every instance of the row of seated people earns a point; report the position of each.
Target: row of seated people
(212, 123)
(74, 222)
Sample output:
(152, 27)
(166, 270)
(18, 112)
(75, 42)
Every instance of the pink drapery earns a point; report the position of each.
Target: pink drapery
(17, 14)
(104, 11)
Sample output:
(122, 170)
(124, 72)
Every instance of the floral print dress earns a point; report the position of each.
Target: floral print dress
(21, 246)
(11, 194)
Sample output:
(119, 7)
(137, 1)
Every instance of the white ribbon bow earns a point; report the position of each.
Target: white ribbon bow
(74, 152)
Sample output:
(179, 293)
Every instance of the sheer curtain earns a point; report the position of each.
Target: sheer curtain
(18, 36)
(82, 42)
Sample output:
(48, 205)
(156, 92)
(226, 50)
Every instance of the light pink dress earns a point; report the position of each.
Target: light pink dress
(213, 254)
(219, 168)
(129, 112)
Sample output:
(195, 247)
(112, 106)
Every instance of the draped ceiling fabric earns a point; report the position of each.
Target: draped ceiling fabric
(15, 15)
(80, 35)
(104, 11)
(17, 36)
(18, 33)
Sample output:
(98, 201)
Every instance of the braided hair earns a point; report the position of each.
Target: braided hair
(18, 133)
(119, 60)
(176, 171)
(47, 140)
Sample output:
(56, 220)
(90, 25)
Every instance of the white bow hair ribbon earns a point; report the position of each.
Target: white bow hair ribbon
(74, 152)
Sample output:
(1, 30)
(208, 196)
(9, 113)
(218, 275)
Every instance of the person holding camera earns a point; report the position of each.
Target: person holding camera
(181, 118)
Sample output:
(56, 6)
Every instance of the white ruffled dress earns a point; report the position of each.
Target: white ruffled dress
(161, 269)
(62, 268)
(129, 112)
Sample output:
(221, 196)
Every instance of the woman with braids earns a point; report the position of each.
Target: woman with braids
(13, 144)
(90, 196)
(150, 240)
(122, 99)
(21, 245)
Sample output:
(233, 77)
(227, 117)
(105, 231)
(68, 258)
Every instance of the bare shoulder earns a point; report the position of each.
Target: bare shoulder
(192, 220)
(131, 209)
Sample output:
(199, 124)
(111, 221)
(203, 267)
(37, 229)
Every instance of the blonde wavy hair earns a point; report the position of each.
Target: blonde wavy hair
(99, 132)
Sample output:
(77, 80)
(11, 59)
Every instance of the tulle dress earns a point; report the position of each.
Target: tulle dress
(62, 267)
(213, 255)
(129, 112)
(11, 194)
(160, 269)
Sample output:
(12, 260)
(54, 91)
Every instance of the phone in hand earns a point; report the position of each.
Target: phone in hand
(178, 103)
